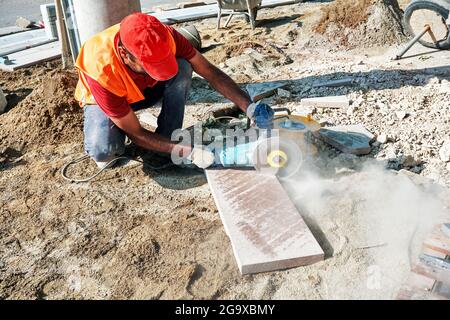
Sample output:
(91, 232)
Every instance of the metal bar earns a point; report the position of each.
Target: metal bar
(412, 42)
(62, 35)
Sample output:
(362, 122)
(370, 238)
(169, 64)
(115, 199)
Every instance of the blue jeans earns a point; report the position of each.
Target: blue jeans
(104, 141)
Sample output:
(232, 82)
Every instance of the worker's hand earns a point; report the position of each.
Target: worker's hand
(261, 113)
(201, 157)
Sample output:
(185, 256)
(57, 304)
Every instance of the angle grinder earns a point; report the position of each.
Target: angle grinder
(279, 151)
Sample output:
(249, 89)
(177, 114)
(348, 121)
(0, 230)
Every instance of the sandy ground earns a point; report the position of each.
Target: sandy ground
(137, 233)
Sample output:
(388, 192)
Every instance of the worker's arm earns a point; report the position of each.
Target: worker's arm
(220, 81)
(145, 138)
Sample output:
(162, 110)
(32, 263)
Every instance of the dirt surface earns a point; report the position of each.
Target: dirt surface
(135, 232)
(367, 23)
(49, 110)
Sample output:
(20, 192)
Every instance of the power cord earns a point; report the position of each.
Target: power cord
(84, 157)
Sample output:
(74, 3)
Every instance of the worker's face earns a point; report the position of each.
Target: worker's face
(132, 62)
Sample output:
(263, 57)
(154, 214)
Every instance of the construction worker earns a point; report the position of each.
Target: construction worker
(133, 65)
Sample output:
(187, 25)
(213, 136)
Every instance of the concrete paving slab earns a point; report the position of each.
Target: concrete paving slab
(266, 231)
(418, 287)
(354, 139)
(32, 56)
(438, 241)
(22, 40)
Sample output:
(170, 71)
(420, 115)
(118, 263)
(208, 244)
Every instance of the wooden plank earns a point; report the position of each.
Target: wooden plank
(32, 56)
(266, 231)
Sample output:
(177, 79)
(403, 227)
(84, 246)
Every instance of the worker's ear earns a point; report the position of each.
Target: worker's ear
(123, 53)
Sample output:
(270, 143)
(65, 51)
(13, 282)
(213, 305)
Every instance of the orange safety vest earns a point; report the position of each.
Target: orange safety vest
(99, 59)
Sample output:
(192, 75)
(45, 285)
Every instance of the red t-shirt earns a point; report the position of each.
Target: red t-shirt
(117, 107)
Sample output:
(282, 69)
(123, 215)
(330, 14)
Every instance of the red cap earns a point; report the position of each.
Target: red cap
(146, 38)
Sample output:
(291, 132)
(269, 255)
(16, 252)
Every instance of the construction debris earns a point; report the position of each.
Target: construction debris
(444, 151)
(24, 23)
(435, 262)
(258, 91)
(430, 275)
(382, 138)
(353, 139)
(327, 102)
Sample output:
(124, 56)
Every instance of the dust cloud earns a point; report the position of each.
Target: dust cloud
(384, 213)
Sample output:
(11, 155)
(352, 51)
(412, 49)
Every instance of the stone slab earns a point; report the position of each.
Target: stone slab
(22, 40)
(258, 91)
(32, 56)
(438, 241)
(354, 139)
(437, 274)
(266, 231)
(419, 287)
(326, 102)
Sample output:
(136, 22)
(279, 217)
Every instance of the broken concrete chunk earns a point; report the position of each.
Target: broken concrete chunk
(24, 23)
(382, 138)
(304, 111)
(353, 139)
(327, 102)
(351, 110)
(284, 93)
(258, 91)
(335, 83)
(444, 151)
(146, 118)
(400, 114)
(408, 160)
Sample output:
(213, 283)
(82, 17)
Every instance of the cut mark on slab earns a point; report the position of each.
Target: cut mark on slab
(266, 231)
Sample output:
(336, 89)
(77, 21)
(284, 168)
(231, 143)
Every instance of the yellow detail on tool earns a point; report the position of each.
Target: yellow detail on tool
(277, 159)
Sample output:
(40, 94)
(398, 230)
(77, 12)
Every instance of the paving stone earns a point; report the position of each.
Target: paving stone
(354, 139)
(266, 231)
